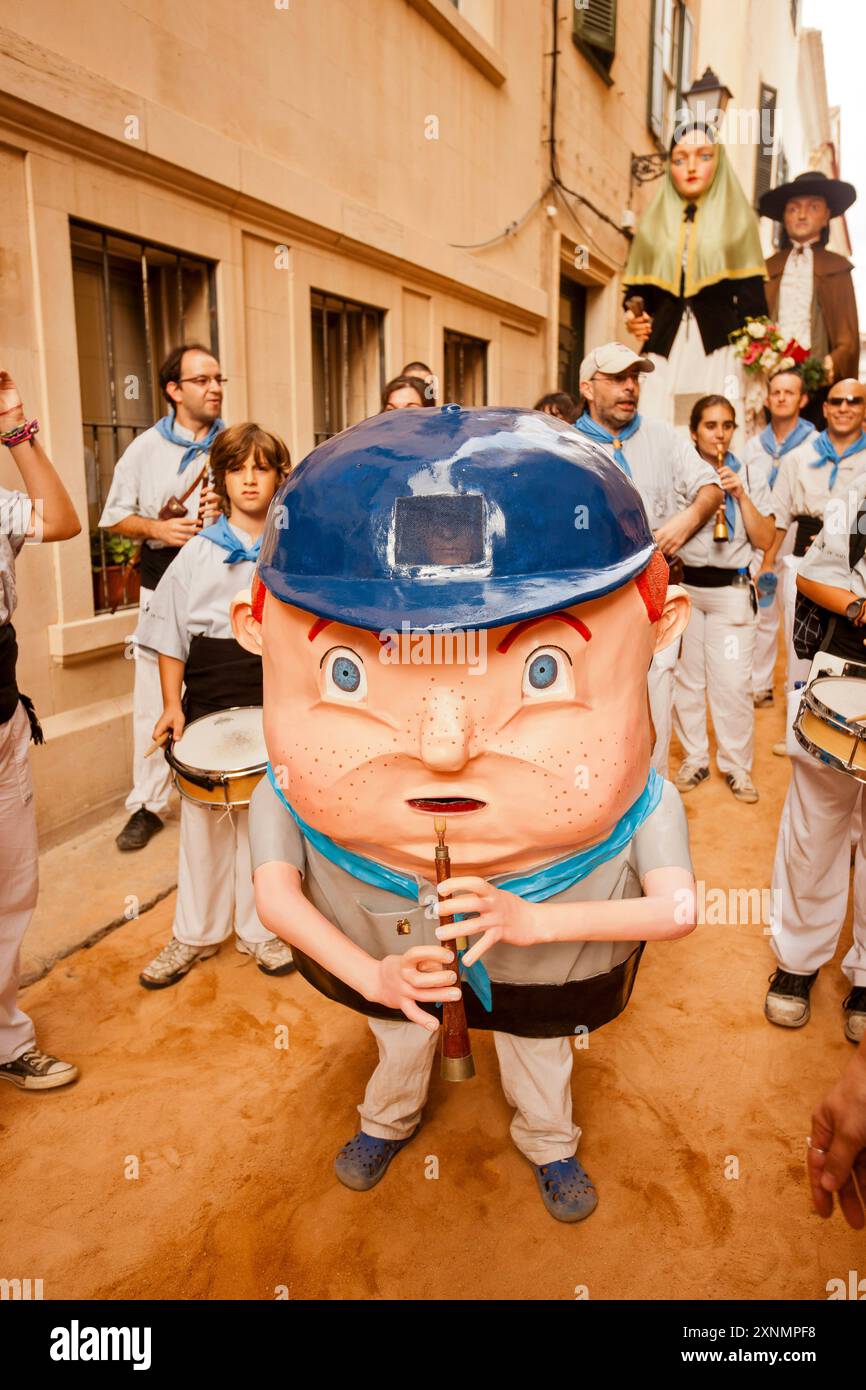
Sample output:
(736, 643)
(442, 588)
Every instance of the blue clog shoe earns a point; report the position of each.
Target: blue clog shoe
(566, 1189)
(363, 1162)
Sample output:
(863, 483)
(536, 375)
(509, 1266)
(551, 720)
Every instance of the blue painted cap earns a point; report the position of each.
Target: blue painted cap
(452, 517)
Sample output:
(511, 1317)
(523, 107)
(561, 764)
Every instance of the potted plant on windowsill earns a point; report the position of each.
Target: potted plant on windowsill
(116, 582)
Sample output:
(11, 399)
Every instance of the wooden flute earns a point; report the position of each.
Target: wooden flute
(457, 1060)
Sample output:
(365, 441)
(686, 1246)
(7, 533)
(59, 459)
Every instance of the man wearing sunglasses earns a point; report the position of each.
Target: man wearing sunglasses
(824, 467)
(168, 461)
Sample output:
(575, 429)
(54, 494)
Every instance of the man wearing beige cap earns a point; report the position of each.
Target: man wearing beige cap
(677, 487)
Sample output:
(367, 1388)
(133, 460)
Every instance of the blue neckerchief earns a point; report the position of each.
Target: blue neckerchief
(222, 535)
(192, 449)
(593, 430)
(535, 887)
(827, 453)
(771, 445)
(730, 502)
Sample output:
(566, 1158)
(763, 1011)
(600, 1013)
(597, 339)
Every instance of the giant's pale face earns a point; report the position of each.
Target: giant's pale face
(694, 161)
(532, 739)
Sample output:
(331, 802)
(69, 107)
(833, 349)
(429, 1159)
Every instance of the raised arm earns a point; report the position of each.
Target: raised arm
(52, 505)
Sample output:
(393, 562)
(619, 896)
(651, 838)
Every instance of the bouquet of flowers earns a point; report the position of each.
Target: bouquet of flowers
(763, 350)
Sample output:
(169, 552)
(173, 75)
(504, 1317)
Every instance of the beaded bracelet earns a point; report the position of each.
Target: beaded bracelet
(20, 434)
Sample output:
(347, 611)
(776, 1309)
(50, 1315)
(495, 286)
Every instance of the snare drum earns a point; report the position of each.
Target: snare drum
(220, 759)
(831, 723)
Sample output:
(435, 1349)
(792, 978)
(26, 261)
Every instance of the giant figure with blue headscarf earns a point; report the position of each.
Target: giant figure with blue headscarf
(456, 615)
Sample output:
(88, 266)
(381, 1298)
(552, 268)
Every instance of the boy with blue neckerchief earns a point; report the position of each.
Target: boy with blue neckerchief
(188, 624)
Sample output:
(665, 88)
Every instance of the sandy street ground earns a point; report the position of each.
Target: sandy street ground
(235, 1137)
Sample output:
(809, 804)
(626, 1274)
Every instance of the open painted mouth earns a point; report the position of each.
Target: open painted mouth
(445, 805)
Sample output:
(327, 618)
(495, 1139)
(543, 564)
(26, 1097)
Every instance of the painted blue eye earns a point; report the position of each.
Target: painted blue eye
(346, 674)
(345, 677)
(543, 671)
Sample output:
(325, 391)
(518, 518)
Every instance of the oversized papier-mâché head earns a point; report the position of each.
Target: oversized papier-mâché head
(456, 611)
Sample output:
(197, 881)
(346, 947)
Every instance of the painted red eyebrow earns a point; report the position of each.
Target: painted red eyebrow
(318, 626)
(519, 629)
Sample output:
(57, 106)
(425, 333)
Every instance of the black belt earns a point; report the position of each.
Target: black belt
(708, 576)
(807, 529)
(220, 675)
(154, 563)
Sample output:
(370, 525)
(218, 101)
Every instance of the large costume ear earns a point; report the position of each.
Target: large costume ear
(246, 629)
(675, 616)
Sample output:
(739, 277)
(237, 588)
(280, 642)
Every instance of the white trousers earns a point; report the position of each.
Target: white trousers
(151, 776)
(536, 1080)
(716, 665)
(797, 667)
(19, 877)
(215, 878)
(812, 867)
(660, 686)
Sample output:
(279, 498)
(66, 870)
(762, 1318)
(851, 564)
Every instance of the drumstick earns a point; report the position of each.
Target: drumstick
(163, 738)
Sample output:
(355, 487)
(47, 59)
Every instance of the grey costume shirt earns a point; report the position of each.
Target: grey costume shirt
(15, 513)
(376, 919)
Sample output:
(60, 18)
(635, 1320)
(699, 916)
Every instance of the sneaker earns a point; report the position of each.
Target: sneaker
(787, 1001)
(780, 749)
(742, 786)
(38, 1071)
(566, 1189)
(364, 1161)
(690, 777)
(272, 957)
(762, 699)
(172, 963)
(141, 827)
(855, 1014)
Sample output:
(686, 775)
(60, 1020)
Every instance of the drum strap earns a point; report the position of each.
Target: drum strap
(219, 675)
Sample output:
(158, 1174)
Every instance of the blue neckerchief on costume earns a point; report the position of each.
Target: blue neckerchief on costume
(731, 502)
(771, 445)
(192, 448)
(593, 430)
(222, 535)
(828, 453)
(535, 887)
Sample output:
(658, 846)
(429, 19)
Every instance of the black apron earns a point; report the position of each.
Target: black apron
(154, 563)
(220, 675)
(9, 692)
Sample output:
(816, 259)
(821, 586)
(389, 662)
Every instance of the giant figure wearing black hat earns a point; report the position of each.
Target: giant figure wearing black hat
(810, 293)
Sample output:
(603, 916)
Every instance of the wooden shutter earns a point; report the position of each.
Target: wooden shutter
(656, 111)
(595, 23)
(686, 58)
(766, 141)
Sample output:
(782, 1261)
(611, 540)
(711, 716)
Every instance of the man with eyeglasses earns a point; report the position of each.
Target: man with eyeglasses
(168, 461)
(678, 489)
(822, 468)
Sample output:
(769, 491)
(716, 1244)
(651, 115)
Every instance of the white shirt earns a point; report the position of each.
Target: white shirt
(826, 560)
(801, 490)
(795, 295)
(146, 475)
(194, 596)
(15, 509)
(666, 469)
(739, 552)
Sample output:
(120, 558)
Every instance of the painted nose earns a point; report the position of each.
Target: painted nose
(446, 730)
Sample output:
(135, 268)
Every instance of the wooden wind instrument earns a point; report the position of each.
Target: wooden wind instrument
(457, 1061)
(720, 530)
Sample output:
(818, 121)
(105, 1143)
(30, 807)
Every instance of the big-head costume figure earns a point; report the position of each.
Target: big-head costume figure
(695, 273)
(457, 610)
(811, 290)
